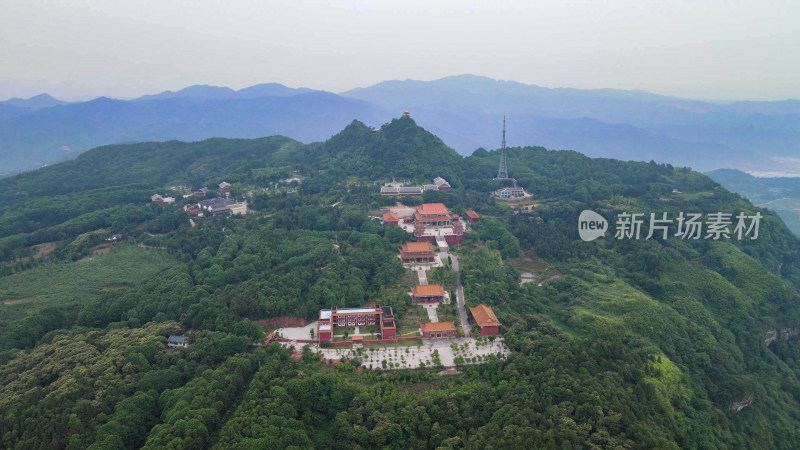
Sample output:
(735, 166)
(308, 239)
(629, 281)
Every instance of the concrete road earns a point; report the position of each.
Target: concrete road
(422, 273)
(431, 310)
(460, 302)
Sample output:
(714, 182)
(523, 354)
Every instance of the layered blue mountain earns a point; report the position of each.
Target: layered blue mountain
(16, 107)
(204, 92)
(466, 111)
(33, 103)
(192, 114)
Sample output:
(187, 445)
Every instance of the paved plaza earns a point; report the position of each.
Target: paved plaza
(410, 357)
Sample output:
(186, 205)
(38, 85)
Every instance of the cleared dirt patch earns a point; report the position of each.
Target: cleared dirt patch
(102, 248)
(554, 275)
(282, 322)
(41, 250)
(529, 262)
(46, 248)
(98, 250)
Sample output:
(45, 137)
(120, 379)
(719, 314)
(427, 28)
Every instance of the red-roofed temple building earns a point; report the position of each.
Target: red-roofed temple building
(417, 252)
(472, 216)
(433, 219)
(390, 219)
(486, 320)
(433, 215)
(427, 293)
(437, 330)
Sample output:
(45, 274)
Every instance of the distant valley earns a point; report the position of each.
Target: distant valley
(781, 194)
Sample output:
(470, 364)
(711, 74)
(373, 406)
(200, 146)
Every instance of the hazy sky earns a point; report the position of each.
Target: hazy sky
(709, 49)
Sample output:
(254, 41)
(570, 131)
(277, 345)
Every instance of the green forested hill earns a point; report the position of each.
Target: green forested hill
(643, 343)
(398, 149)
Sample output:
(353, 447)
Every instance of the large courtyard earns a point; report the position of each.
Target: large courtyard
(416, 354)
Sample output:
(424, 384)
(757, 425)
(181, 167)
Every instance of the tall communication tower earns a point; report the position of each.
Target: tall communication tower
(502, 174)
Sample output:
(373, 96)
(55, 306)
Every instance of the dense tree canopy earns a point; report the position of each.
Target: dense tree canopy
(636, 344)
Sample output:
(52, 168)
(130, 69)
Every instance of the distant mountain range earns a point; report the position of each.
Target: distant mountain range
(466, 111)
(36, 102)
(203, 93)
(56, 133)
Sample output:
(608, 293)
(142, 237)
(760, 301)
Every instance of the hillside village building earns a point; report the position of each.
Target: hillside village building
(427, 293)
(417, 252)
(224, 187)
(439, 184)
(397, 189)
(510, 192)
(177, 341)
(486, 320)
(381, 316)
(220, 206)
(114, 238)
(159, 200)
(401, 190)
(472, 216)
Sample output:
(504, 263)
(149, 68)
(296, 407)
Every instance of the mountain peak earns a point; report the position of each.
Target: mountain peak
(204, 92)
(399, 148)
(271, 90)
(205, 89)
(200, 92)
(40, 101)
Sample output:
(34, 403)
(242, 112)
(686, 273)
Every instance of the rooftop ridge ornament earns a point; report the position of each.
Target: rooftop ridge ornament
(502, 173)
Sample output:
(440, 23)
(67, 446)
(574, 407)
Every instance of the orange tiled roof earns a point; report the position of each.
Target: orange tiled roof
(484, 316)
(390, 216)
(439, 326)
(433, 209)
(472, 214)
(427, 217)
(427, 290)
(417, 247)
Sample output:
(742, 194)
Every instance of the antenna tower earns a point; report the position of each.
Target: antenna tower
(502, 174)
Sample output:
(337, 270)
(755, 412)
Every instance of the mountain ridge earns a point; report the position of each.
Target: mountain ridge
(209, 92)
(466, 110)
(53, 133)
(40, 101)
